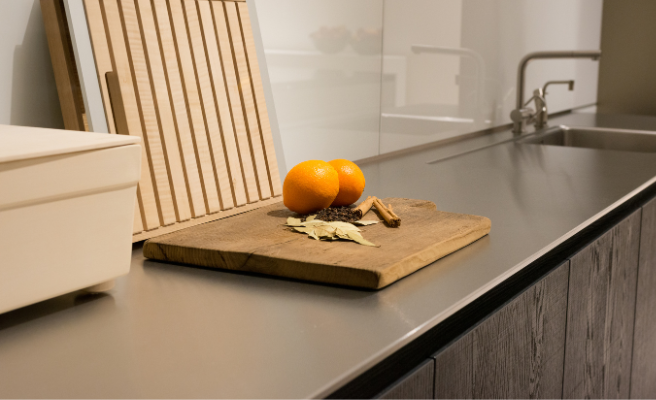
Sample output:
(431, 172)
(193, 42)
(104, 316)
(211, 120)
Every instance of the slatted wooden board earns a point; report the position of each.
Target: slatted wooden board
(259, 242)
(183, 75)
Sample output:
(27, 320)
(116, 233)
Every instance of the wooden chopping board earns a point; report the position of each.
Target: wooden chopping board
(258, 241)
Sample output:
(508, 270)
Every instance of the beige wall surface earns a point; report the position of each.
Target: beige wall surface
(28, 95)
(627, 72)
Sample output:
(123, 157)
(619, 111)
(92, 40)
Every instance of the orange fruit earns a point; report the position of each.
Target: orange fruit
(310, 186)
(351, 182)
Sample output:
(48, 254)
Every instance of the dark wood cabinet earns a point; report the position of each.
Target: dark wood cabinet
(417, 384)
(600, 314)
(515, 353)
(643, 372)
(587, 329)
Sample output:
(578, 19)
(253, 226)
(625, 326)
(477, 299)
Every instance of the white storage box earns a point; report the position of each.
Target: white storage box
(67, 203)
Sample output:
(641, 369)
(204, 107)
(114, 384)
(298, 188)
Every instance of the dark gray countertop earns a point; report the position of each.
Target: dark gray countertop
(173, 331)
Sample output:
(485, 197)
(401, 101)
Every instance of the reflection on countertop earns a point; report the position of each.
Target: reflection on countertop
(174, 331)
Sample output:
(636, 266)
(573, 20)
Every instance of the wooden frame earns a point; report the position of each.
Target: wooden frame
(184, 77)
(61, 54)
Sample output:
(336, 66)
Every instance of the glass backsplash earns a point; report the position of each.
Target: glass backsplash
(324, 63)
(354, 79)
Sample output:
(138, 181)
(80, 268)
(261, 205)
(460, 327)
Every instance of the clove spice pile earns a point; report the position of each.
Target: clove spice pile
(347, 214)
(343, 214)
(335, 223)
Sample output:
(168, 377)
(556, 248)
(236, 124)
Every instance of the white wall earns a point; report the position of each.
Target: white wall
(28, 95)
(441, 98)
(344, 105)
(328, 104)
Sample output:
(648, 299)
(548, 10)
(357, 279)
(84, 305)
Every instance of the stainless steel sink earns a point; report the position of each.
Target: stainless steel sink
(595, 138)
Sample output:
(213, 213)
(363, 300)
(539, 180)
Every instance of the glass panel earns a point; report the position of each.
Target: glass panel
(324, 63)
(450, 66)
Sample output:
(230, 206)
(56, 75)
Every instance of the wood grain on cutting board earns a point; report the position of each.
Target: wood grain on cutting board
(259, 242)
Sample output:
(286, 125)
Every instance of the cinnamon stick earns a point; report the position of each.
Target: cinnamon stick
(389, 208)
(388, 215)
(364, 207)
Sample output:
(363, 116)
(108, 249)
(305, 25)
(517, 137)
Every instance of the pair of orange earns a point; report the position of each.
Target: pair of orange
(314, 185)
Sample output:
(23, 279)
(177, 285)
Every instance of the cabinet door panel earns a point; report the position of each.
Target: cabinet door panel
(643, 372)
(454, 370)
(418, 384)
(600, 316)
(516, 353)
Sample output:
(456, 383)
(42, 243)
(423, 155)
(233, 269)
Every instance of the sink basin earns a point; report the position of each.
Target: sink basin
(595, 138)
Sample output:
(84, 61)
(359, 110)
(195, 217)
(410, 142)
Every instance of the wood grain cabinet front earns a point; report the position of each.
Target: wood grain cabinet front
(600, 315)
(585, 330)
(417, 384)
(515, 353)
(643, 371)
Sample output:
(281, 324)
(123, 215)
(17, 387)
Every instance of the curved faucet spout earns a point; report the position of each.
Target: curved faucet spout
(521, 73)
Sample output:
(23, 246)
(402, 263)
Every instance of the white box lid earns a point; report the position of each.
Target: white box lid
(21, 142)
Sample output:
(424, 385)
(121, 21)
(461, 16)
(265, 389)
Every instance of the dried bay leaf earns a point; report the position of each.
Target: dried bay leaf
(365, 223)
(340, 224)
(328, 228)
(322, 230)
(356, 237)
(316, 222)
(291, 221)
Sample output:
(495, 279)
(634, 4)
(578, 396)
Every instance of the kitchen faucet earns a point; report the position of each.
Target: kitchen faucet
(540, 115)
(521, 115)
